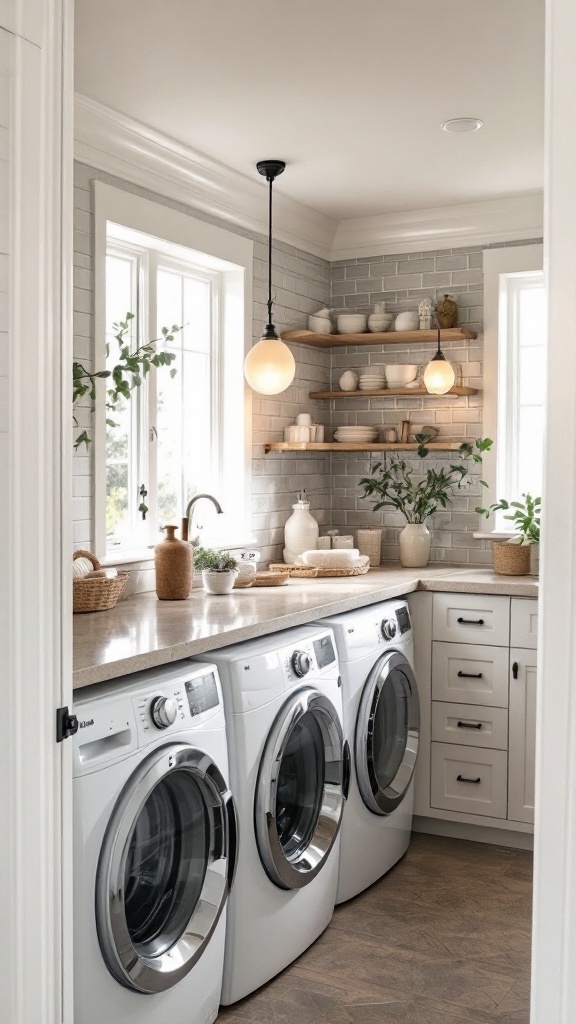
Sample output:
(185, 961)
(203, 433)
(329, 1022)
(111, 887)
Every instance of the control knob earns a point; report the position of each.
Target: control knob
(300, 663)
(389, 628)
(163, 711)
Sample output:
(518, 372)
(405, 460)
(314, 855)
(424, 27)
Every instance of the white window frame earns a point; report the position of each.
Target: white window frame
(498, 414)
(232, 256)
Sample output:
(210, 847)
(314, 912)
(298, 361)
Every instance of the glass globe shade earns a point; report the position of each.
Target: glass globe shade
(269, 366)
(438, 376)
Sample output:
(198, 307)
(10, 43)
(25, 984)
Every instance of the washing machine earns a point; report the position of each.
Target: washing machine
(154, 847)
(375, 648)
(289, 772)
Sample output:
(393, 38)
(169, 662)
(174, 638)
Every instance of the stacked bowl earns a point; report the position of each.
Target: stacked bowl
(356, 435)
(372, 378)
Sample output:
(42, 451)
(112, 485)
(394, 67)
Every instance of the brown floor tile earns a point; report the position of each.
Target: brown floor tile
(444, 938)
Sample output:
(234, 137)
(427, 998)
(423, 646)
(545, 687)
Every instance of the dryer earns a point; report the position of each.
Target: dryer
(381, 721)
(154, 847)
(289, 770)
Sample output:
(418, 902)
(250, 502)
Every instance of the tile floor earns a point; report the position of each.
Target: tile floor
(444, 938)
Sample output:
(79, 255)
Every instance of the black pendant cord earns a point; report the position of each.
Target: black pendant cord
(270, 325)
(439, 352)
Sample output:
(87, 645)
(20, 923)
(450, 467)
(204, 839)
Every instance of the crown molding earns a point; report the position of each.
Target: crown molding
(448, 227)
(121, 146)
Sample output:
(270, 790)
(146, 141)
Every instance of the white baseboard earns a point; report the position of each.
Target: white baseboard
(474, 833)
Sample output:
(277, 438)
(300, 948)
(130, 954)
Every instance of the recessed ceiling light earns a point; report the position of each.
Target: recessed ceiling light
(459, 125)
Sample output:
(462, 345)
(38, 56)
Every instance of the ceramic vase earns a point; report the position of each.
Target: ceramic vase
(300, 533)
(415, 545)
(219, 582)
(174, 563)
(447, 312)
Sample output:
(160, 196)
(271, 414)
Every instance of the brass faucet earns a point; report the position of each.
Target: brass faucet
(187, 520)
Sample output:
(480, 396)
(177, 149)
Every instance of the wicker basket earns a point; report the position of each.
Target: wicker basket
(97, 594)
(511, 559)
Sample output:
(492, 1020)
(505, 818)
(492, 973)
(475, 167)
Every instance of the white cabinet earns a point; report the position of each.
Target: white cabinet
(522, 734)
(478, 697)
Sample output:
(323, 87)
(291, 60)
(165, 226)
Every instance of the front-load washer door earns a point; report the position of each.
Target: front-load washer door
(301, 789)
(166, 867)
(387, 732)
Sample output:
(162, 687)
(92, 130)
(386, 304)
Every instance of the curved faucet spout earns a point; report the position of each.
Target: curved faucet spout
(189, 511)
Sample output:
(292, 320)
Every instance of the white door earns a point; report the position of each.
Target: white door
(522, 734)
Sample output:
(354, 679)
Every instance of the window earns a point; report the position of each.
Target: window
(184, 433)
(515, 373)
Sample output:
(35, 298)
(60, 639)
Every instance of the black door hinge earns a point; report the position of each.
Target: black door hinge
(66, 724)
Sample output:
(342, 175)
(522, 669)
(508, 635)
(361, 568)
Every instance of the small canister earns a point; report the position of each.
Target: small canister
(391, 435)
(344, 541)
(370, 543)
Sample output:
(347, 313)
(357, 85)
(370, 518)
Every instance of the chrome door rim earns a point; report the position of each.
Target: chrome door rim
(294, 873)
(378, 800)
(150, 974)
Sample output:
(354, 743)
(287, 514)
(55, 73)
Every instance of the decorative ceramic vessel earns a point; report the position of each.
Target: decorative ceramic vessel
(379, 322)
(349, 381)
(511, 559)
(415, 545)
(351, 323)
(447, 312)
(301, 531)
(407, 322)
(174, 563)
(219, 582)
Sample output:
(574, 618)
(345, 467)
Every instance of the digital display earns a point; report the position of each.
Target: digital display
(403, 617)
(324, 652)
(202, 693)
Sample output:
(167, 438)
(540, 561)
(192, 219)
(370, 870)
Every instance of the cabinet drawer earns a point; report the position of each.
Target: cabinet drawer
(467, 674)
(470, 725)
(471, 619)
(524, 622)
(469, 779)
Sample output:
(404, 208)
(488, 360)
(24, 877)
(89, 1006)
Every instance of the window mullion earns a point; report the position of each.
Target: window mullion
(150, 443)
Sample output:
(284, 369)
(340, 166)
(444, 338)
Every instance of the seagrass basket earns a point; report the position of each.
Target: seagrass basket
(511, 559)
(97, 593)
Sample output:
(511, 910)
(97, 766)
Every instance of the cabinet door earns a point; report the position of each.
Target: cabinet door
(524, 622)
(522, 735)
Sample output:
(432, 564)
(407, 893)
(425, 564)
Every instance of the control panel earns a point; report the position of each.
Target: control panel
(172, 706)
(310, 658)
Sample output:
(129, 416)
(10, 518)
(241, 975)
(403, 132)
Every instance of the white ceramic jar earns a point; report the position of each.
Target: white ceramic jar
(301, 531)
(415, 545)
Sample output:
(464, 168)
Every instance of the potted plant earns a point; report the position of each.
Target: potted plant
(512, 557)
(417, 498)
(219, 570)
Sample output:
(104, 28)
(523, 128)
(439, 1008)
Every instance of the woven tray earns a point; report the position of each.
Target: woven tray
(316, 573)
(97, 594)
(270, 579)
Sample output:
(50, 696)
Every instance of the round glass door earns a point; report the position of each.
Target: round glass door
(387, 733)
(299, 793)
(165, 868)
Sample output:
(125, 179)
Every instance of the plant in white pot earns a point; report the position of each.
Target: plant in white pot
(512, 557)
(219, 570)
(395, 486)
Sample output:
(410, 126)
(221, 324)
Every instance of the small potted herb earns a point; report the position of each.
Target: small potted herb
(219, 570)
(512, 557)
(394, 486)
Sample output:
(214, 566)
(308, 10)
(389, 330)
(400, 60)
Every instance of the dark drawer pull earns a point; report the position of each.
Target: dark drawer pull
(462, 778)
(469, 725)
(471, 622)
(469, 675)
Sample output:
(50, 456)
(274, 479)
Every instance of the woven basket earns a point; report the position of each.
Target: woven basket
(97, 594)
(511, 559)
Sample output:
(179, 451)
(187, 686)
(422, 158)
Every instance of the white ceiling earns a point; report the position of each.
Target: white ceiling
(351, 94)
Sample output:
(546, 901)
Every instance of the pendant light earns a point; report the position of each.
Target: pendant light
(439, 374)
(269, 367)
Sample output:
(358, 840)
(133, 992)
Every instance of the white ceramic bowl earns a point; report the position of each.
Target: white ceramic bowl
(379, 322)
(399, 374)
(320, 324)
(351, 323)
(407, 322)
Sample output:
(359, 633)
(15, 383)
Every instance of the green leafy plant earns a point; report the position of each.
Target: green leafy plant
(524, 514)
(416, 498)
(214, 561)
(129, 372)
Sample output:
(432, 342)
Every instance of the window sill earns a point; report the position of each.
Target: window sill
(118, 558)
(494, 535)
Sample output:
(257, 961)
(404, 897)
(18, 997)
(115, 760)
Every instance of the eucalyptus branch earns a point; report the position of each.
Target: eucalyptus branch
(129, 372)
(395, 486)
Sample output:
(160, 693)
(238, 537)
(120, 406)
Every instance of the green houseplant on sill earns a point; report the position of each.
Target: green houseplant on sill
(512, 557)
(219, 570)
(394, 485)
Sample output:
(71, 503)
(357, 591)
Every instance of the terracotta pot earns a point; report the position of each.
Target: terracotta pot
(415, 545)
(511, 559)
(447, 312)
(174, 562)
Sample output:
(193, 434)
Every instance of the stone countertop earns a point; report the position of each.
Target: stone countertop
(143, 632)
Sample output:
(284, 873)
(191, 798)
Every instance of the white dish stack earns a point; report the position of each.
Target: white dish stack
(372, 378)
(356, 435)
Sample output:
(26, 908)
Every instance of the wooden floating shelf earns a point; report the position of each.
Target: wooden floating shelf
(378, 446)
(387, 338)
(392, 393)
